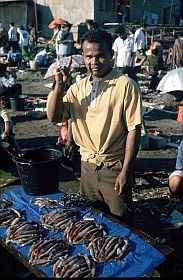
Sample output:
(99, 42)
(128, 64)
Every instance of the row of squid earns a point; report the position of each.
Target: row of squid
(5, 202)
(47, 251)
(57, 220)
(108, 248)
(66, 200)
(56, 251)
(83, 232)
(79, 265)
(24, 233)
(9, 216)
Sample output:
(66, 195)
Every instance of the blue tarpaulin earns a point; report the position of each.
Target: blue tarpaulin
(141, 258)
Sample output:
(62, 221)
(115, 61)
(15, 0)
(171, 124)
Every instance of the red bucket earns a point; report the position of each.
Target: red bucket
(180, 114)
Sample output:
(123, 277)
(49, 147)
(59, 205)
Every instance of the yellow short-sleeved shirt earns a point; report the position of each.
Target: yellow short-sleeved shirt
(48, 99)
(100, 123)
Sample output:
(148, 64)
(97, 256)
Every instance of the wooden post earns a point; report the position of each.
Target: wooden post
(152, 36)
(146, 35)
(171, 8)
(173, 32)
(36, 23)
(160, 34)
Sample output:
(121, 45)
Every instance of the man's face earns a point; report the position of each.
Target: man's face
(97, 58)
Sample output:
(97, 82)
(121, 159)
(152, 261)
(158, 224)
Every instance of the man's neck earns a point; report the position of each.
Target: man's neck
(94, 78)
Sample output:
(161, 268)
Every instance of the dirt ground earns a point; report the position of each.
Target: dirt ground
(152, 168)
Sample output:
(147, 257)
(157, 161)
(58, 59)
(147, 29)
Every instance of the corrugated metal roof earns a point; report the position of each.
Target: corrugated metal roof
(3, 1)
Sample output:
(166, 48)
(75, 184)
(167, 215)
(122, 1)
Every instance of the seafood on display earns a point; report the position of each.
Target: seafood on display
(83, 232)
(24, 233)
(47, 251)
(9, 216)
(108, 248)
(5, 202)
(45, 202)
(74, 200)
(80, 265)
(57, 220)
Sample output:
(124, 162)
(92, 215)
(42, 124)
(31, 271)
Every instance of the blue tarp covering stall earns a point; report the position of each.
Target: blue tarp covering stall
(141, 258)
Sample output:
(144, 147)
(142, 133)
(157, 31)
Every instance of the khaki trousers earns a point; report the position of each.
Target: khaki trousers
(97, 182)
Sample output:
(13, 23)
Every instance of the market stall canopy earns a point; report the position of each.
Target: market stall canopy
(172, 81)
(56, 22)
(77, 62)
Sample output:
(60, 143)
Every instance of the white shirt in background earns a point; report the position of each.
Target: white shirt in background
(23, 37)
(12, 34)
(140, 44)
(124, 50)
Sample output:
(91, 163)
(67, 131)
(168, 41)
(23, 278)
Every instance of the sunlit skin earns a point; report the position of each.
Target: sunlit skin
(97, 58)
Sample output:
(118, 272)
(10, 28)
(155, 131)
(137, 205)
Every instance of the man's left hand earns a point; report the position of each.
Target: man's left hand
(121, 181)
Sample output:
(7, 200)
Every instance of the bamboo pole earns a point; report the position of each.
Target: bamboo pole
(152, 36)
(36, 21)
(171, 8)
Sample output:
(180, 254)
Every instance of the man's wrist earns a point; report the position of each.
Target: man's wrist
(60, 84)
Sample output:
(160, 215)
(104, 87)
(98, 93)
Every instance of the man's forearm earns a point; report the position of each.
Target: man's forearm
(55, 104)
(132, 147)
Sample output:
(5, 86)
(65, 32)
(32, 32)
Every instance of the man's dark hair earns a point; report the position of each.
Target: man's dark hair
(120, 30)
(91, 22)
(143, 24)
(96, 36)
(132, 29)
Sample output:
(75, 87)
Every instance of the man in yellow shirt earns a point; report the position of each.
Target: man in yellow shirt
(105, 110)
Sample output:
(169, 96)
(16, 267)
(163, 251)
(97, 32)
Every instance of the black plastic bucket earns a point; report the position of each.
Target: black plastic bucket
(17, 103)
(39, 170)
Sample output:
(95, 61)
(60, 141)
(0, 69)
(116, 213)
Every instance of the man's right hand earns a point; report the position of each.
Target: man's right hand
(63, 73)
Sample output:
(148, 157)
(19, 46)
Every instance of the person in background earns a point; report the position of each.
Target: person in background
(174, 98)
(8, 85)
(176, 177)
(6, 129)
(157, 44)
(42, 57)
(65, 41)
(91, 24)
(123, 11)
(23, 40)
(65, 142)
(123, 48)
(2, 35)
(153, 67)
(52, 41)
(131, 35)
(177, 52)
(32, 38)
(12, 36)
(139, 44)
(105, 109)
(14, 57)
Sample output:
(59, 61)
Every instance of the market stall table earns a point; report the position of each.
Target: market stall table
(142, 257)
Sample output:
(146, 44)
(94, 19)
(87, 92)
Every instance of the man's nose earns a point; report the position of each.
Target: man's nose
(94, 60)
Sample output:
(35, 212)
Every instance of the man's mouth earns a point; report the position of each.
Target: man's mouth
(95, 68)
